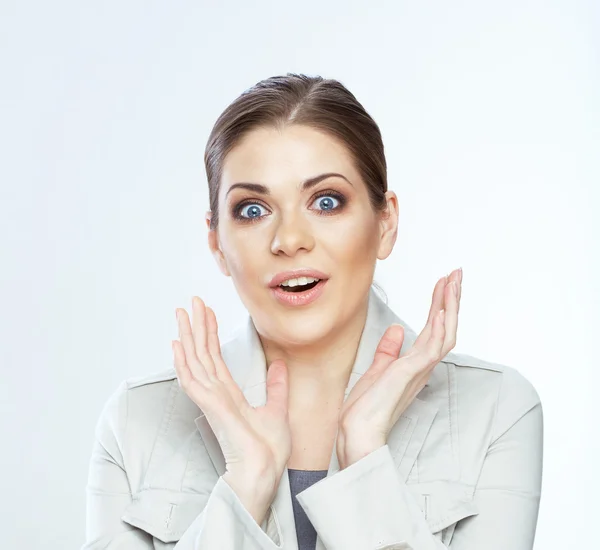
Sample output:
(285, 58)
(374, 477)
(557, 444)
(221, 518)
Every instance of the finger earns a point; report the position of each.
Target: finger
(214, 348)
(388, 348)
(435, 343)
(185, 378)
(437, 303)
(278, 386)
(187, 343)
(420, 362)
(459, 287)
(453, 305)
(201, 336)
(457, 276)
(451, 317)
(437, 299)
(184, 375)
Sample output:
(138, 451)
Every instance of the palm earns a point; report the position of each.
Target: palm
(246, 433)
(250, 437)
(370, 400)
(392, 381)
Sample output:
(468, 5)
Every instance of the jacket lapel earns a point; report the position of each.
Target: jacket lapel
(245, 359)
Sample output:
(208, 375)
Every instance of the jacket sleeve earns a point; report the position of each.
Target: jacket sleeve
(375, 510)
(224, 522)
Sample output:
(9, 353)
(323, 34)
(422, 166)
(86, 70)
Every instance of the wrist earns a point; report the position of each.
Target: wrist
(352, 449)
(254, 494)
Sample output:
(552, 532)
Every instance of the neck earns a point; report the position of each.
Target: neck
(323, 367)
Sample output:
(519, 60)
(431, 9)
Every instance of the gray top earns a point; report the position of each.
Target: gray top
(300, 480)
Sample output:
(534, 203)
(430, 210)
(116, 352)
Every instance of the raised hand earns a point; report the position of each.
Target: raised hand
(391, 383)
(256, 442)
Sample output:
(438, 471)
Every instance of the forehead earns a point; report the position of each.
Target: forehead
(273, 157)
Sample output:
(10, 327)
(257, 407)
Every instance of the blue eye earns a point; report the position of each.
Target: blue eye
(249, 211)
(327, 201)
(253, 211)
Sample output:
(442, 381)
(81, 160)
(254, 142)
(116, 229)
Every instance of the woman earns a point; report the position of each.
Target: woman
(325, 422)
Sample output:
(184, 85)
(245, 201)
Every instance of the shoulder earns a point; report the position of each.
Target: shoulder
(147, 386)
(137, 397)
(502, 388)
(165, 375)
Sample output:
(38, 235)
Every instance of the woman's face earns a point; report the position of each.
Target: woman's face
(330, 227)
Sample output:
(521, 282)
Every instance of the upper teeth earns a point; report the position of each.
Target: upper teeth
(299, 281)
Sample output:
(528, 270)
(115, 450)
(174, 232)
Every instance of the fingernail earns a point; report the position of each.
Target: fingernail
(460, 274)
(455, 288)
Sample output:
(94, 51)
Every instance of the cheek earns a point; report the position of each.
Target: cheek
(245, 254)
(353, 244)
(243, 263)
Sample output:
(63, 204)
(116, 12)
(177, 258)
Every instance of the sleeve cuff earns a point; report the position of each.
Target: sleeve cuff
(232, 526)
(366, 505)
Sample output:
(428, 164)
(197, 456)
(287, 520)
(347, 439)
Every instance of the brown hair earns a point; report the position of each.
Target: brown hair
(324, 104)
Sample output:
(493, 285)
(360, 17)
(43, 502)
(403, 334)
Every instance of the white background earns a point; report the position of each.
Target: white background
(490, 118)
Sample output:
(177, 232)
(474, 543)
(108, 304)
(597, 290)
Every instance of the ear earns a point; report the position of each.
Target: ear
(389, 226)
(213, 244)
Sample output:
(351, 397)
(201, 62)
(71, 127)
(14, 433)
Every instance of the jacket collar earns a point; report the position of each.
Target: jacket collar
(244, 356)
(245, 359)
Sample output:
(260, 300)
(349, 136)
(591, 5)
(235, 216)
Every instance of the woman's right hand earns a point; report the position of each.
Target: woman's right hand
(256, 442)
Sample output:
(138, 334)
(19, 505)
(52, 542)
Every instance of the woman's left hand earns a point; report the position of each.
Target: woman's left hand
(391, 383)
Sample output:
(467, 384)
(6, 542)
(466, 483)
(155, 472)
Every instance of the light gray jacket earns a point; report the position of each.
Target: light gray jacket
(462, 467)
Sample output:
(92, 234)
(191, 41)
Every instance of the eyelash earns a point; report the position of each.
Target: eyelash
(327, 193)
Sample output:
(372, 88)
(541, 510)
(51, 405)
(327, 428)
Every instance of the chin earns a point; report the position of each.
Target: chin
(300, 327)
(300, 335)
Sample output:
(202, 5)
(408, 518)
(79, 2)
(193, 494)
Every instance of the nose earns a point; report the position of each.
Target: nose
(292, 233)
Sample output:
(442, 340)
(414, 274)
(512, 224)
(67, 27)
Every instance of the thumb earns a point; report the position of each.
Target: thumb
(277, 385)
(389, 347)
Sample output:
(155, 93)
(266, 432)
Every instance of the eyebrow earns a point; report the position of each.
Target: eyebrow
(306, 184)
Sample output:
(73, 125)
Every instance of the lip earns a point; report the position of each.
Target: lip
(299, 298)
(294, 274)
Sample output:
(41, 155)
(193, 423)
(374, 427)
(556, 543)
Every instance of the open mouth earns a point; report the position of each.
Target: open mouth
(300, 292)
(300, 288)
